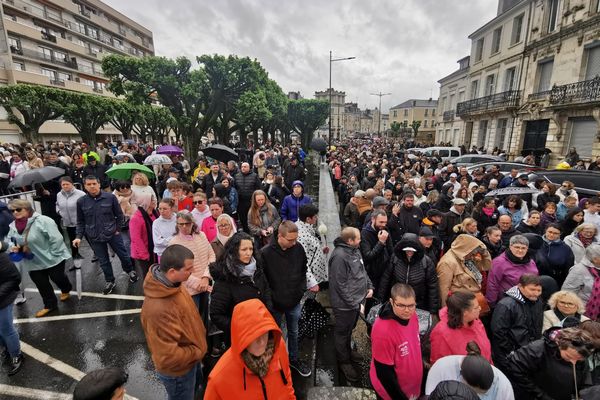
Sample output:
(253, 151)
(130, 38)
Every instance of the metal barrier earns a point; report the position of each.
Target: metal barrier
(25, 196)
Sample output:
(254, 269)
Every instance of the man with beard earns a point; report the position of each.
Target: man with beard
(410, 216)
(376, 246)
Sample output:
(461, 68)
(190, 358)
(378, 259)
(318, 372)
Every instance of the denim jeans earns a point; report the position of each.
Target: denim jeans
(292, 316)
(9, 337)
(101, 251)
(180, 387)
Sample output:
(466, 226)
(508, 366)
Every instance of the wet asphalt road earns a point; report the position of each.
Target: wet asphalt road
(86, 344)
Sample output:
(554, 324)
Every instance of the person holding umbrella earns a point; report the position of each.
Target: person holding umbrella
(37, 243)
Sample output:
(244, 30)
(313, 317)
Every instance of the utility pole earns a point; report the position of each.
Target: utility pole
(379, 119)
(331, 61)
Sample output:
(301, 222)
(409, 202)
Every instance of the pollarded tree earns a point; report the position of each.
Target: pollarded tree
(154, 122)
(125, 117)
(30, 106)
(305, 116)
(88, 113)
(415, 125)
(252, 113)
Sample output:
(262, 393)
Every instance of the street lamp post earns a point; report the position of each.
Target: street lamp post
(331, 61)
(379, 119)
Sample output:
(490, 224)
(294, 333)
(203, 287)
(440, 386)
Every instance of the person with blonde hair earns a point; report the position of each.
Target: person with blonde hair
(563, 304)
(141, 188)
(263, 218)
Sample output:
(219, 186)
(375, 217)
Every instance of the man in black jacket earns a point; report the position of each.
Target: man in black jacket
(285, 266)
(98, 170)
(517, 319)
(294, 172)
(210, 180)
(455, 216)
(246, 182)
(409, 216)
(376, 246)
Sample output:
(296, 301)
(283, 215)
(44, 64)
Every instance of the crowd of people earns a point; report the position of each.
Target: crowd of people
(229, 251)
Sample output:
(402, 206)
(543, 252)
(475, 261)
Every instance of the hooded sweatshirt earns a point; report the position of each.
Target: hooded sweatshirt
(174, 331)
(232, 379)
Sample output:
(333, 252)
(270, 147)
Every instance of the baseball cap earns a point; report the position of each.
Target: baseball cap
(425, 232)
(380, 201)
(459, 201)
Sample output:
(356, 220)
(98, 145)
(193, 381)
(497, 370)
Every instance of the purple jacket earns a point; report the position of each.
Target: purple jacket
(504, 275)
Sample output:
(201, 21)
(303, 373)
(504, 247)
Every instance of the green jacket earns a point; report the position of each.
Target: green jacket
(45, 241)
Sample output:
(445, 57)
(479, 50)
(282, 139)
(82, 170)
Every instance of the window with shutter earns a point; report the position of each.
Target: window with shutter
(583, 134)
(592, 68)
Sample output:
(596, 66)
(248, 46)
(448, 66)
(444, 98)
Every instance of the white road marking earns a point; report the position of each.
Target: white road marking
(27, 393)
(78, 316)
(98, 295)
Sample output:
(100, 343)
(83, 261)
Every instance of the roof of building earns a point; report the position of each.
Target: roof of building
(416, 103)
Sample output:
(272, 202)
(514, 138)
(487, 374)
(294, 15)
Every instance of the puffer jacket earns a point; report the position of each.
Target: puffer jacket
(516, 322)
(286, 273)
(230, 289)
(290, 208)
(348, 280)
(537, 371)
(555, 259)
(232, 379)
(246, 184)
(419, 273)
(452, 272)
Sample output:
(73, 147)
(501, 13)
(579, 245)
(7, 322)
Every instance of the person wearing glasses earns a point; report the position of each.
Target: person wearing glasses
(396, 370)
(552, 367)
(459, 324)
(517, 319)
(201, 210)
(564, 304)
(39, 246)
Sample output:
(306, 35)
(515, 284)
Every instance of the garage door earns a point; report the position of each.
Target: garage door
(583, 134)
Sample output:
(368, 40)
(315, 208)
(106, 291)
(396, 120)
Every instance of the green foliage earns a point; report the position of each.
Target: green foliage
(306, 115)
(415, 127)
(29, 106)
(88, 113)
(396, 127)
(125, 117)
(155, 122)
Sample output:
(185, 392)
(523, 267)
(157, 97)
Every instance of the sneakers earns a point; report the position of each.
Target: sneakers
(65, 296)
(356, 357)
(133, 277)
(109, 287)
(300, 367)
(20, 299)
(15, 364)
(43, 312)
(349, 372)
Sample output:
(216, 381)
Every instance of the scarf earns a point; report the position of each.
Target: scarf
(585, 241)
(248, 269)
(148, 225)
(259, 365)
(561, 316)
(520, 261)
(488, 211)
(592, 308)
(470, 264)
(222, 238)
(21, 224)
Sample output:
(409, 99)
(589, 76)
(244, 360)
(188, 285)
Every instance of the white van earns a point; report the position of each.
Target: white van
(445, 153)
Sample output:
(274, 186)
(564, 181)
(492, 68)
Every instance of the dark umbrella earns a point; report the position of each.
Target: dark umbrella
(221, 152)
(169, 149)
(512, 190)
(38, 175)
(318, 144)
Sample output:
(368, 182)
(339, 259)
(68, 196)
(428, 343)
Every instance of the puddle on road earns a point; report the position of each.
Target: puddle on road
(324, 377)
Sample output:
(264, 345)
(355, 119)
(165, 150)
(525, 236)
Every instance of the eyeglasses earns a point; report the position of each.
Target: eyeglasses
(183, 223)
(224, 226)
(519, 248)
(19, 209)
(566, 304)
(404, 306)
(198, 201)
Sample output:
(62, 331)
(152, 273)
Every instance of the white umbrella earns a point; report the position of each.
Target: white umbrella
(157, 159)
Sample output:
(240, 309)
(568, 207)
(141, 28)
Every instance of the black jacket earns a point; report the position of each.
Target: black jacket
(246, 184)
(286, 273)
(507, 235)
(537, 371)
(208, 183)
(10, 278)
(495, 250)
(376, 256)
(99, 171)
(292, 174)
(544, 198)
(419, 273)
(524, 228)
(555, 259)
(410, 219)
(484, 221)
(450, 220)
(230, 289)
(516, 322)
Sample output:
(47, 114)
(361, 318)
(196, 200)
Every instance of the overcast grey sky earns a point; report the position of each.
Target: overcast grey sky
(401, 46)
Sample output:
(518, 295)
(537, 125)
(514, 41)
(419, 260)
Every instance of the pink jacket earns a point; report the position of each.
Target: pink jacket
(209, 227)
(139, 236)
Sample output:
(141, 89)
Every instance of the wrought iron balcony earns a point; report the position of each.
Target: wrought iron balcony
(504, 100)
(576, 93)
(448, 115)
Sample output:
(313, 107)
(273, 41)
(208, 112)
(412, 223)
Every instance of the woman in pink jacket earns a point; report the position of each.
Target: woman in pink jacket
(140, 231)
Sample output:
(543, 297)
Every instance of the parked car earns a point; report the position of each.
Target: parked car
(445, 153)
(470, 159)
(587, 183)
(505, 167)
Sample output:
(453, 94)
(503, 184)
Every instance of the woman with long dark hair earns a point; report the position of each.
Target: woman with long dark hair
(572, 220)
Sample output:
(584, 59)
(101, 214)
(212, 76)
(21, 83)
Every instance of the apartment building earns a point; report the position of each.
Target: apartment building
(494, 77)
(450, 128)
(562, 80)
(337, 110)
(417, 110)
(61, 43)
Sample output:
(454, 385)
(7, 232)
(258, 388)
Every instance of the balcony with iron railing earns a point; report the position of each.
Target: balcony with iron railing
(539, 96)
(505, 100)
(576, 93)
(448, 115)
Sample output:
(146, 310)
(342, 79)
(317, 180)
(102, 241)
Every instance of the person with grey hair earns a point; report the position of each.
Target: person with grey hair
(508, 267)
(584, 280)
(583, 236)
